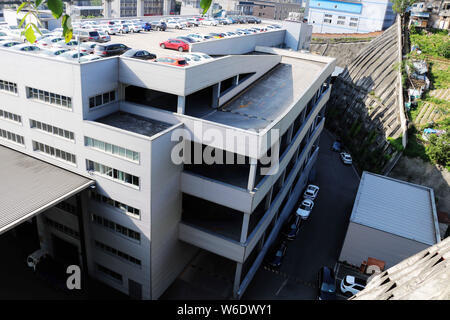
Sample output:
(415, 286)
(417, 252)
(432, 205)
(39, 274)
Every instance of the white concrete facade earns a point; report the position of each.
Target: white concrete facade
(158, 195)
(329, 16)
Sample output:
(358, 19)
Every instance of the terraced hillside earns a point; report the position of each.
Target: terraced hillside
(364, 108)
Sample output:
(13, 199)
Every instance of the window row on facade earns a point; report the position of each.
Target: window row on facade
(109, 273)
(111, 225)
(47, 128)
(62, 228)
(112, 173)
(102, 99)
(8, 86)
(49, 97)
(117, 253)
(10, 116)
(111, 149)
(128, 210)
(54, 152)
(67, 207)
(11, 136)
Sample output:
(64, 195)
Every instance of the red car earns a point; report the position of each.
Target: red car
(176, 44)
(179, 62)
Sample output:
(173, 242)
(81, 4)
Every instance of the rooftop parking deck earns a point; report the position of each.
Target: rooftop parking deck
(269, 97)
(130, 122)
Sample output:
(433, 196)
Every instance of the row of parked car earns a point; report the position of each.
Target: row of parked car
(181, 43)
(292, 227)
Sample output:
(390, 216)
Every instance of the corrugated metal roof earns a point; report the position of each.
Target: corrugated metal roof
(401, 208)
(29, 186)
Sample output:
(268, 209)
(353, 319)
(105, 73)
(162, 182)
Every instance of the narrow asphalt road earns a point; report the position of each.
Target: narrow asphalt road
(320, 238)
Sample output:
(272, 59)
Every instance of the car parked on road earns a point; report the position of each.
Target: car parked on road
(336, 146)
(139, 54)
(200, 37)
(346, 158)
(305, 208)
(178, 62)
(292, 227)
(108, 50)
(277, 258)
(311, 192)
(351, 285)
(326, 284)
(175, 44)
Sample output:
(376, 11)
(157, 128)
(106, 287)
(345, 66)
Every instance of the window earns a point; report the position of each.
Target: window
(129, 210)
(47, 128)
(327, 20)
(340, 22)
(112, 149)
(8, 86)
(102, 99)
(353, 19)
(12, 137)
(329, 16)
(10, 116)
(341, 17)
(67, 207)
(62, 228)
(113, 173)
(48, 97)
(117, 253)
(109, 273)
(53, 152)
(352, 24)
(115, 227)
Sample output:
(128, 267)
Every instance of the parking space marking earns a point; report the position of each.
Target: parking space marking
(295, 279)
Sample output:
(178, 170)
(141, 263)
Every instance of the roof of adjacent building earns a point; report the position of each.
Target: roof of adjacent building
(30, 186)
(424, 276)
(397, 207)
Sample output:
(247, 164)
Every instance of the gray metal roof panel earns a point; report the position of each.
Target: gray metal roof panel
(397, 207)
(29, 186)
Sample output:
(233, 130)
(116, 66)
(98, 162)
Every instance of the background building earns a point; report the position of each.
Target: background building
(330, 16)
(278, 10)
(138, 8)
(391, 220)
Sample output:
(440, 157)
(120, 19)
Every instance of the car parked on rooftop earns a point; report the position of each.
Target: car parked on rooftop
(174, 24)
(209, 22)
(9, 43)
(311, 192)
(90, 57)
(158, 25)
(179, 62)
(69, 45)
(187, 39)
(88, 47)
(104, 37)
(200, 37)
(52, 52)
(139, 54)
(26, 47)
(71, 55)
(48, 42)
(175, 44)
(109, 50)
(135, 27)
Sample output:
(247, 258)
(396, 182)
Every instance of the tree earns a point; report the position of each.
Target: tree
(57, 9)
(400, 6)
(205, 4)
(439, 149)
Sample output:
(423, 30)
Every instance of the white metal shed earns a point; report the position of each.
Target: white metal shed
(391, 221)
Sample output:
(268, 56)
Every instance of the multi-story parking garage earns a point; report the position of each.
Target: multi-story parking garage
(146, 133)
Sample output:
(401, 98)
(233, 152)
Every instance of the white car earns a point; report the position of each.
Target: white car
(4, 36)
(26, 47)
(72, 44)
(174, 25)
(52, 52)
(109, 29)
(87, 47)
(202, 56)
(305, 208)
(71, 55)
(134, 27)
(9, 43)
(209, 22)
(200, 37)
(90, 57)
(311, 192)
(192, 59)
(346, 158)
(351, 285)
(48, 42)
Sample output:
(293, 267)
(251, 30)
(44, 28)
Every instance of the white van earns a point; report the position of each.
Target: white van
(34, 258)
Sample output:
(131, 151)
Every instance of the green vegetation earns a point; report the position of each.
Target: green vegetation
(434, 43)
(400, 6)
(396, 143)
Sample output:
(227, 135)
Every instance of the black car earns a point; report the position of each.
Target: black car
(291, 229)
(158, 25)
(251, 20)
(336, 146)
(139, 54)
(109, 50)
(277, 258)
(326, 284)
